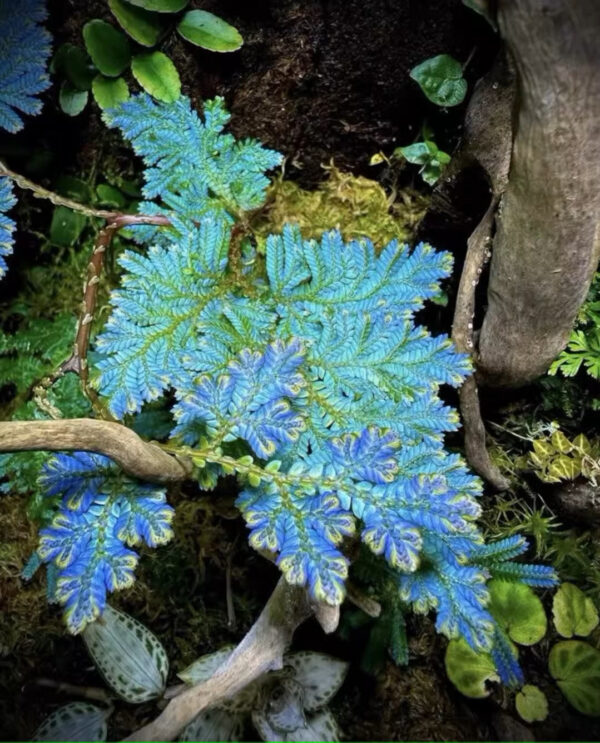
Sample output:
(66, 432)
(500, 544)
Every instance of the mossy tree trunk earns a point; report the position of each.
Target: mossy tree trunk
(547, 241)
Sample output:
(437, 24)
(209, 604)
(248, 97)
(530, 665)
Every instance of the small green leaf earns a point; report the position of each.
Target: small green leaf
(531, 704)
(517, 610)
(143, 26)
(160, 6)
(483, 8)
(109, 92)
(468, 670)
(441, 80)
(110, 196)
(564, 468)
(214, 724)
(73, 188)
(74, 64)
(66, 226)
(417, 153)
(155, 72)
(209, 31)
(575, 666)
(108, 47)
(543, 448)
(582, 444)
(74, 722)
(204, 666)
(72, 101)
(560, 442)
(319, 674)
(132, 660)
(574, 613)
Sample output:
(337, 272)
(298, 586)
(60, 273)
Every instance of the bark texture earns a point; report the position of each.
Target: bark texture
(136, 456)
(547, 242)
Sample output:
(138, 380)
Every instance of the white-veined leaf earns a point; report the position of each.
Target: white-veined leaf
(76, 721)
(131, 659)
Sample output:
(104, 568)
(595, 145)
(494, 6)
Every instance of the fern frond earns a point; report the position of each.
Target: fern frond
(24, 51)
(305, 530)
(156, 314)
(457, 593)
(249, 401)
(7, 226)
(539, 576)
(101, 511)
(506, 659)
(193, 168)
(498, 551)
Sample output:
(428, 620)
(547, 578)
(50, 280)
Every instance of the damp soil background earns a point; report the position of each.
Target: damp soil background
(318, 80)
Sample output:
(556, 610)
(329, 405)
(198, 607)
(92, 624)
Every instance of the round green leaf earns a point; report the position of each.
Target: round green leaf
(110, 196)
(531, 704)
(155, 72)
(209, 31)
(160, 6)
(74, 64)
(574, 613)
(143, 26)
(108, 47)
(469, 671)
(66, 226)
(518, 611)
(109, 92)
(441, 80)
(575, 666)
(72, 100)
(417, 153)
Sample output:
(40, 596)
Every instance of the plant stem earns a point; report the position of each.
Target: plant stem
(43, 193)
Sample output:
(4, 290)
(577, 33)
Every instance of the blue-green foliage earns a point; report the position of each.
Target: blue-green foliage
(309, 361)
(193, 169)
(7, 226)
(496, 559)
(24, 52)
(102, 512)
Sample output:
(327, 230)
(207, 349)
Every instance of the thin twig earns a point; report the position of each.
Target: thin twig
(231, 620)
(77, 362)
(43, 193)
(94, 693)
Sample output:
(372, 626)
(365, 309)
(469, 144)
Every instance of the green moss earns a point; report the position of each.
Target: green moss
(357, 206)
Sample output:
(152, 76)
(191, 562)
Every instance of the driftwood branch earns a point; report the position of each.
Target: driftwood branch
(260, 651)
(478, 252)
(136, 456)
(489, 147)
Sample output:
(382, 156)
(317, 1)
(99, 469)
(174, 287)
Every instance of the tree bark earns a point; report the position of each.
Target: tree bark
(547, 243)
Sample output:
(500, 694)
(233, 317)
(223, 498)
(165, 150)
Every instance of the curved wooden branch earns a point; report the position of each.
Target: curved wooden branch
(137, 457)
(490, 147)
(260, 651)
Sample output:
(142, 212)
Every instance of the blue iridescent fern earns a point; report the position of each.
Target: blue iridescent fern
(7, 226)
(24, 52)
(305, 373)
(192, 167)
(102, 513)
